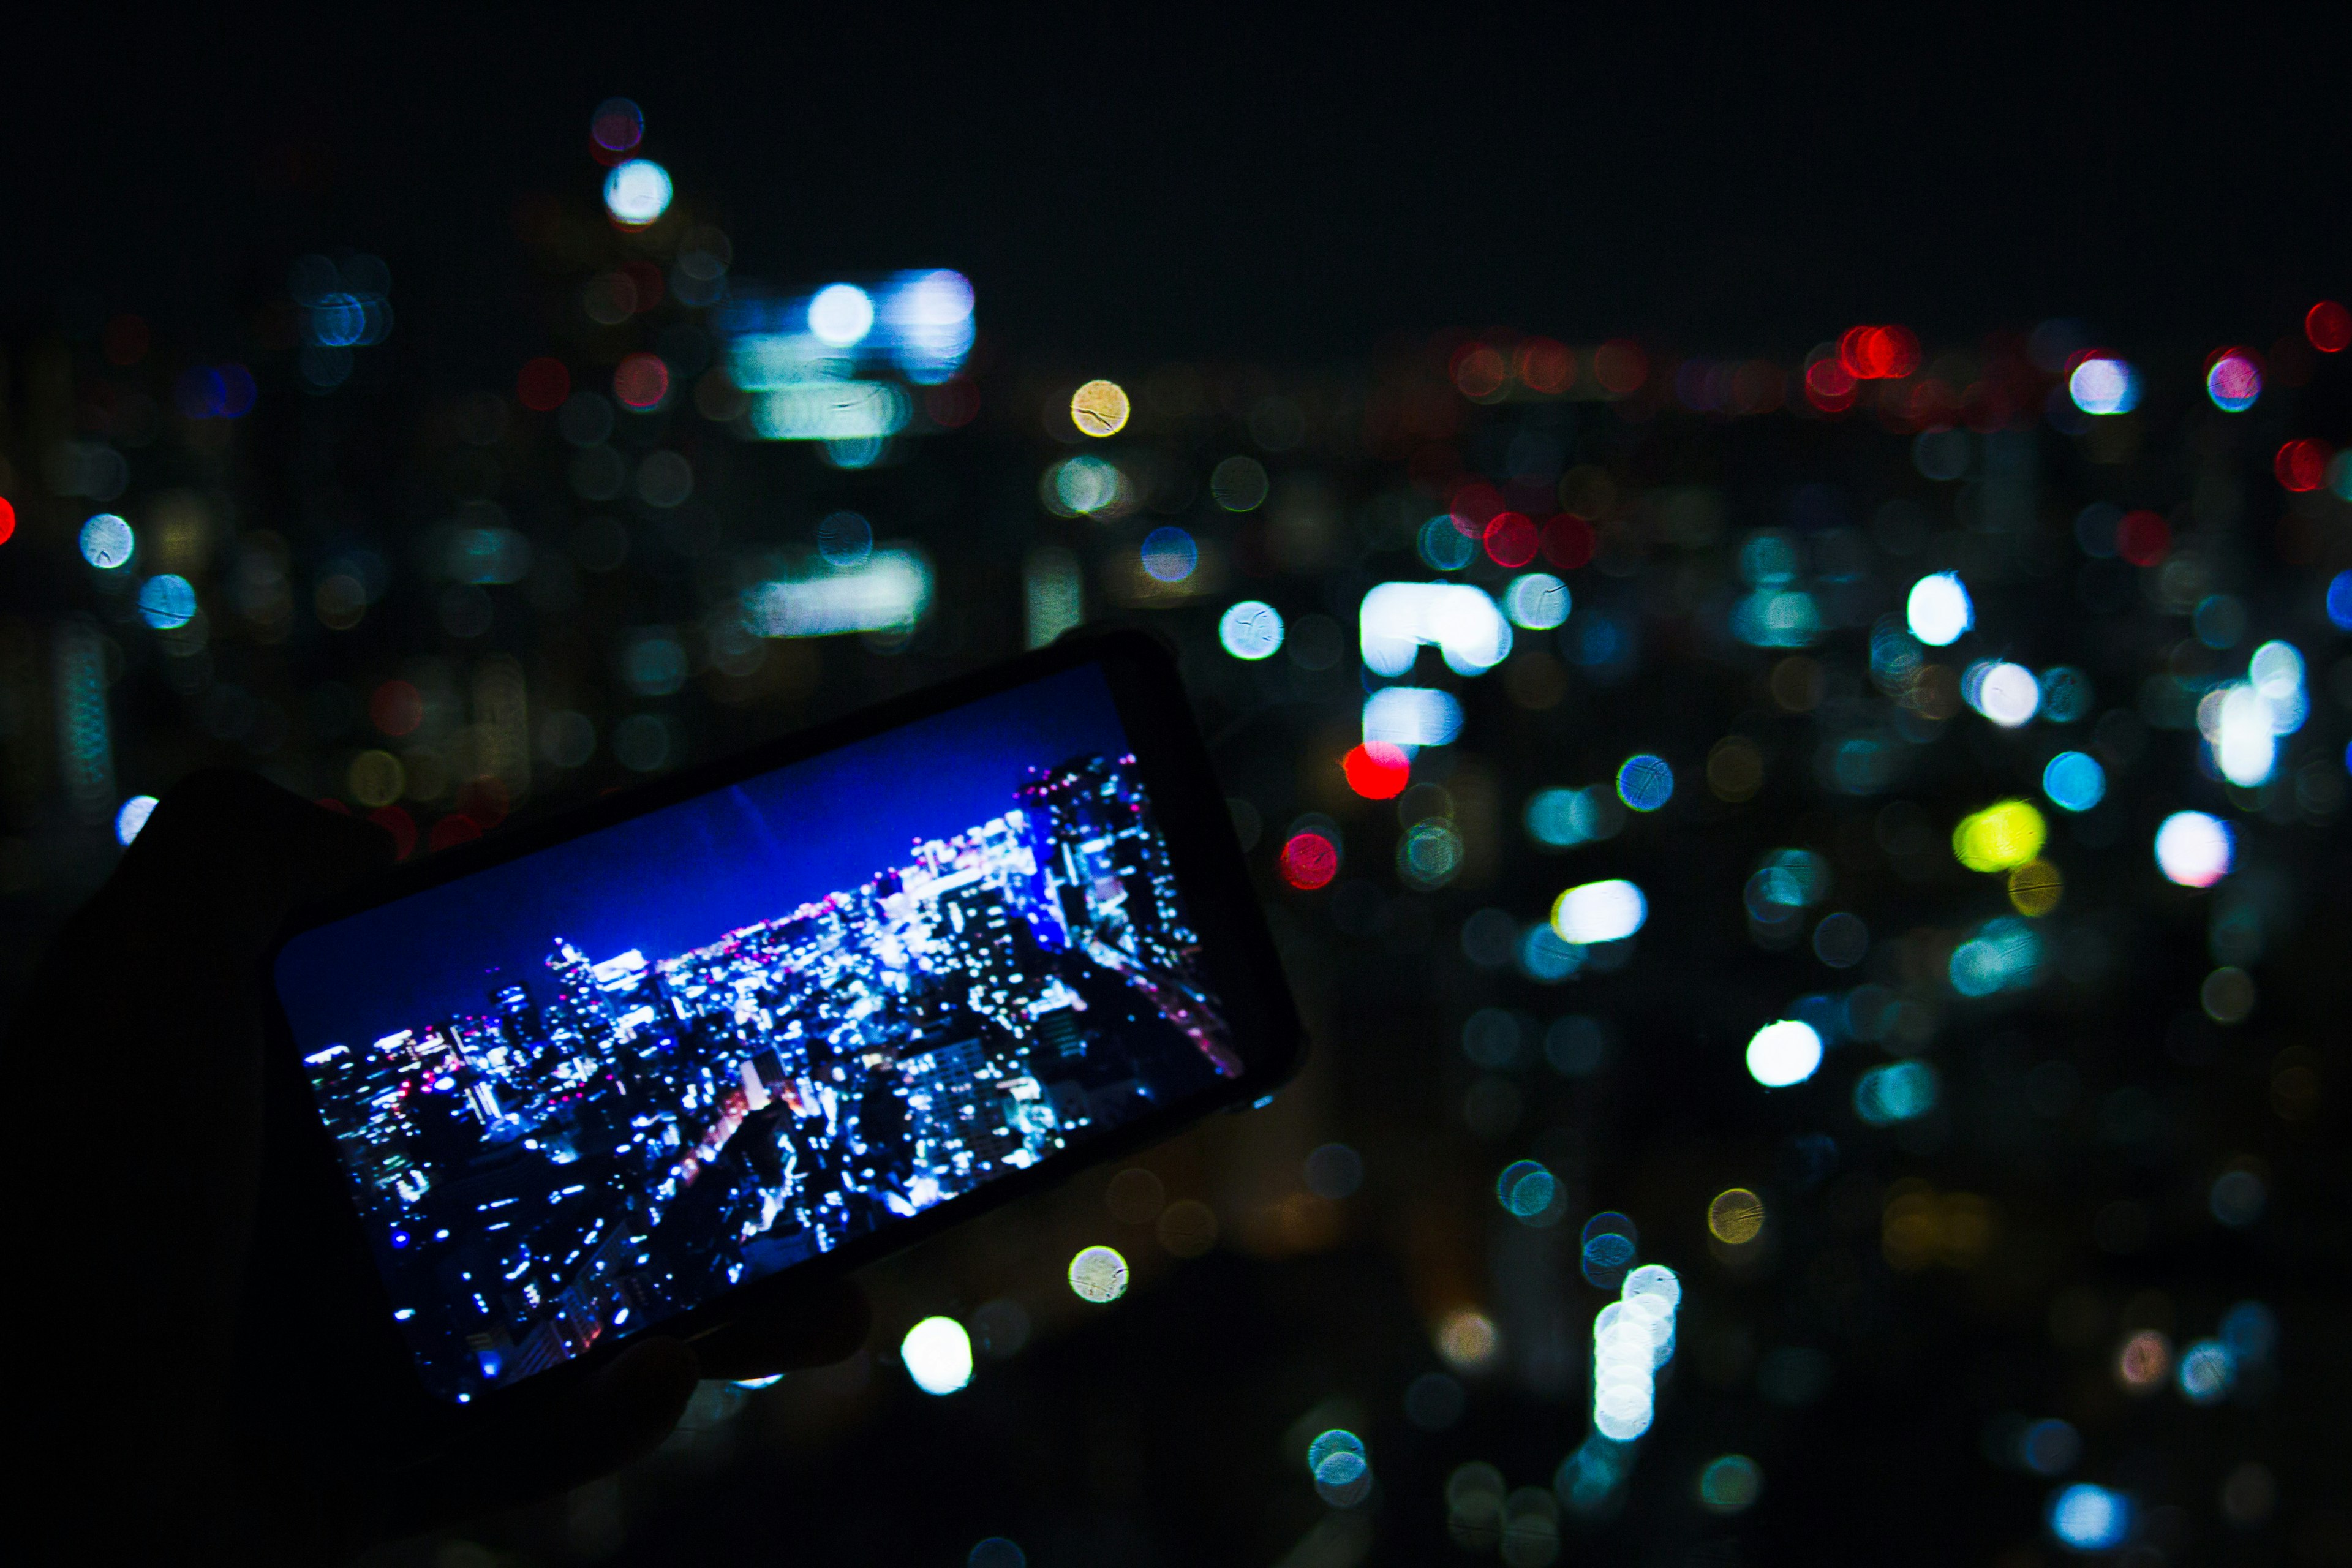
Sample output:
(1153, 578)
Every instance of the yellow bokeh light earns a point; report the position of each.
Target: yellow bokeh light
(376, 778)
(2002, 836)
(1736, 1216)
(2035, 888)
(1099, 408)
(1468, 1339)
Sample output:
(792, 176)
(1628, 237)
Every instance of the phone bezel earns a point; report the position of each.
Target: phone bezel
(1237, 950)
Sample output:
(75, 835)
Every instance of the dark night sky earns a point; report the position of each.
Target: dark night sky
(684, 877)
(1283, 188)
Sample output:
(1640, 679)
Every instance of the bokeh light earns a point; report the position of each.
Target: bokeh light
(1939, 611)
(2001, 837)
(1169, 555)
(2302, 465)
(1310, 861)
(1784, 1053)
(2143, 1362)
(1731, 1484)
(2075, 781)
(618, 126)
(1736, 1216)
(2194, 849)
(167, 601)
(2329, 326)
(1469, 1341)
(1644, 781)
(1251, 630)
(2233, 379)
(1377, 770)
(1600, 911)
(2207, 1373)
(938, 1353)
(1098, 1274)
(637, 192)
(840, 315)
(1099, 408)
(641, 383)
(2104, 385)
(2090, 1519)
(107, 542)
(131, 818)
(1535, 601)
(1526, 1189)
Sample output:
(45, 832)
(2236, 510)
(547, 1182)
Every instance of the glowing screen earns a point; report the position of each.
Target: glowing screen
(587, 1090)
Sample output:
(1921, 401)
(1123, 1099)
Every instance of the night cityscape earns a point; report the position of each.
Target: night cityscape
(613, 1142)
(1771, 605)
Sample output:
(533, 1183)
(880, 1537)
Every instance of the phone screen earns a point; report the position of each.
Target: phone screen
(584, 1091)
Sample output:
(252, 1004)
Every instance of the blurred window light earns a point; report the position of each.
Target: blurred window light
(1784, 1053)
(2002, 836)
(938, 1354)
(1939, 611)
(889, 591)
(2237, 723)
(1412, 716)
(1600, 911)
(840, 315)
(167, 601)
(928, 318)
(830, 411)
(637, 192)
(1395, 619)
(1054, 593)
(2103, 384)
(1251, 630)
(1537, 601)
(133, 818)
(107, 542)
(2075, 781)
(2233, 379)
(2193, 849)
(1099, 408)
(2090, 1519)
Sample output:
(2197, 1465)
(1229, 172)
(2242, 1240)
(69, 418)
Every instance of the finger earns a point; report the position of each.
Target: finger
(543, 1445)
(820, 1324)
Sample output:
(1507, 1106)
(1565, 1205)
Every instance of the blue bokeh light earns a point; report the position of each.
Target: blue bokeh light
(1645, 781)
(2075, 781)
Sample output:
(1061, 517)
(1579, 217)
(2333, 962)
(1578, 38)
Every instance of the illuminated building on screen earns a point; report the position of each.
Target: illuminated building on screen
(614, 1142)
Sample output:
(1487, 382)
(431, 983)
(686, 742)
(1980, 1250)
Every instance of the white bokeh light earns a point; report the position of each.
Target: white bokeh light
(937, 1354)
(2194, 849)
(133, 818)
(1784, 1053)
(2008, 695)
(1600, 911)
(1938, 610)
(1251, 630)
(637, 192)
(840, 314)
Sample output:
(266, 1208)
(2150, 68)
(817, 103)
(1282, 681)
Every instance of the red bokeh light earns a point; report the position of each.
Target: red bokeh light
(1568, 541)
(1878, 353)
(2143, 538)
(2302, 465)
(641, 382)
(331, 804)
(1546, 366)
(2328, 325)
(1829, 386)
(543, 385)
(7, 520)
(1510, 539)
(1620, 366)
(1310, 861)
(484, 801)
(454, 828)
(1376, 771)
(1479, 371)
(1474, 506)
(396, 708)
(400, 824)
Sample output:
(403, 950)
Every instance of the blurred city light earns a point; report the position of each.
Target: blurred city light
(637, 192)
(2195, 849)
(133, 818)
(1097, 1274)
(1599, 912)
(1784, 1053)
(1939, 611)
(938, 1353)
(1099, 408)
(2102, 384)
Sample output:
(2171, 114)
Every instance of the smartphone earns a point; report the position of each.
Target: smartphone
(643, 1068)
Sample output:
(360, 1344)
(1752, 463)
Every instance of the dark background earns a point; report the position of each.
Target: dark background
(1210, 184)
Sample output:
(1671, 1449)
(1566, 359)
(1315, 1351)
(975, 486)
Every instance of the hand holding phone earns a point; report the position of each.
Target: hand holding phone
(187, 1392)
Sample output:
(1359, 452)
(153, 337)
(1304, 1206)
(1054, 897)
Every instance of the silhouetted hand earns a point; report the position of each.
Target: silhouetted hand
(189, 1396)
